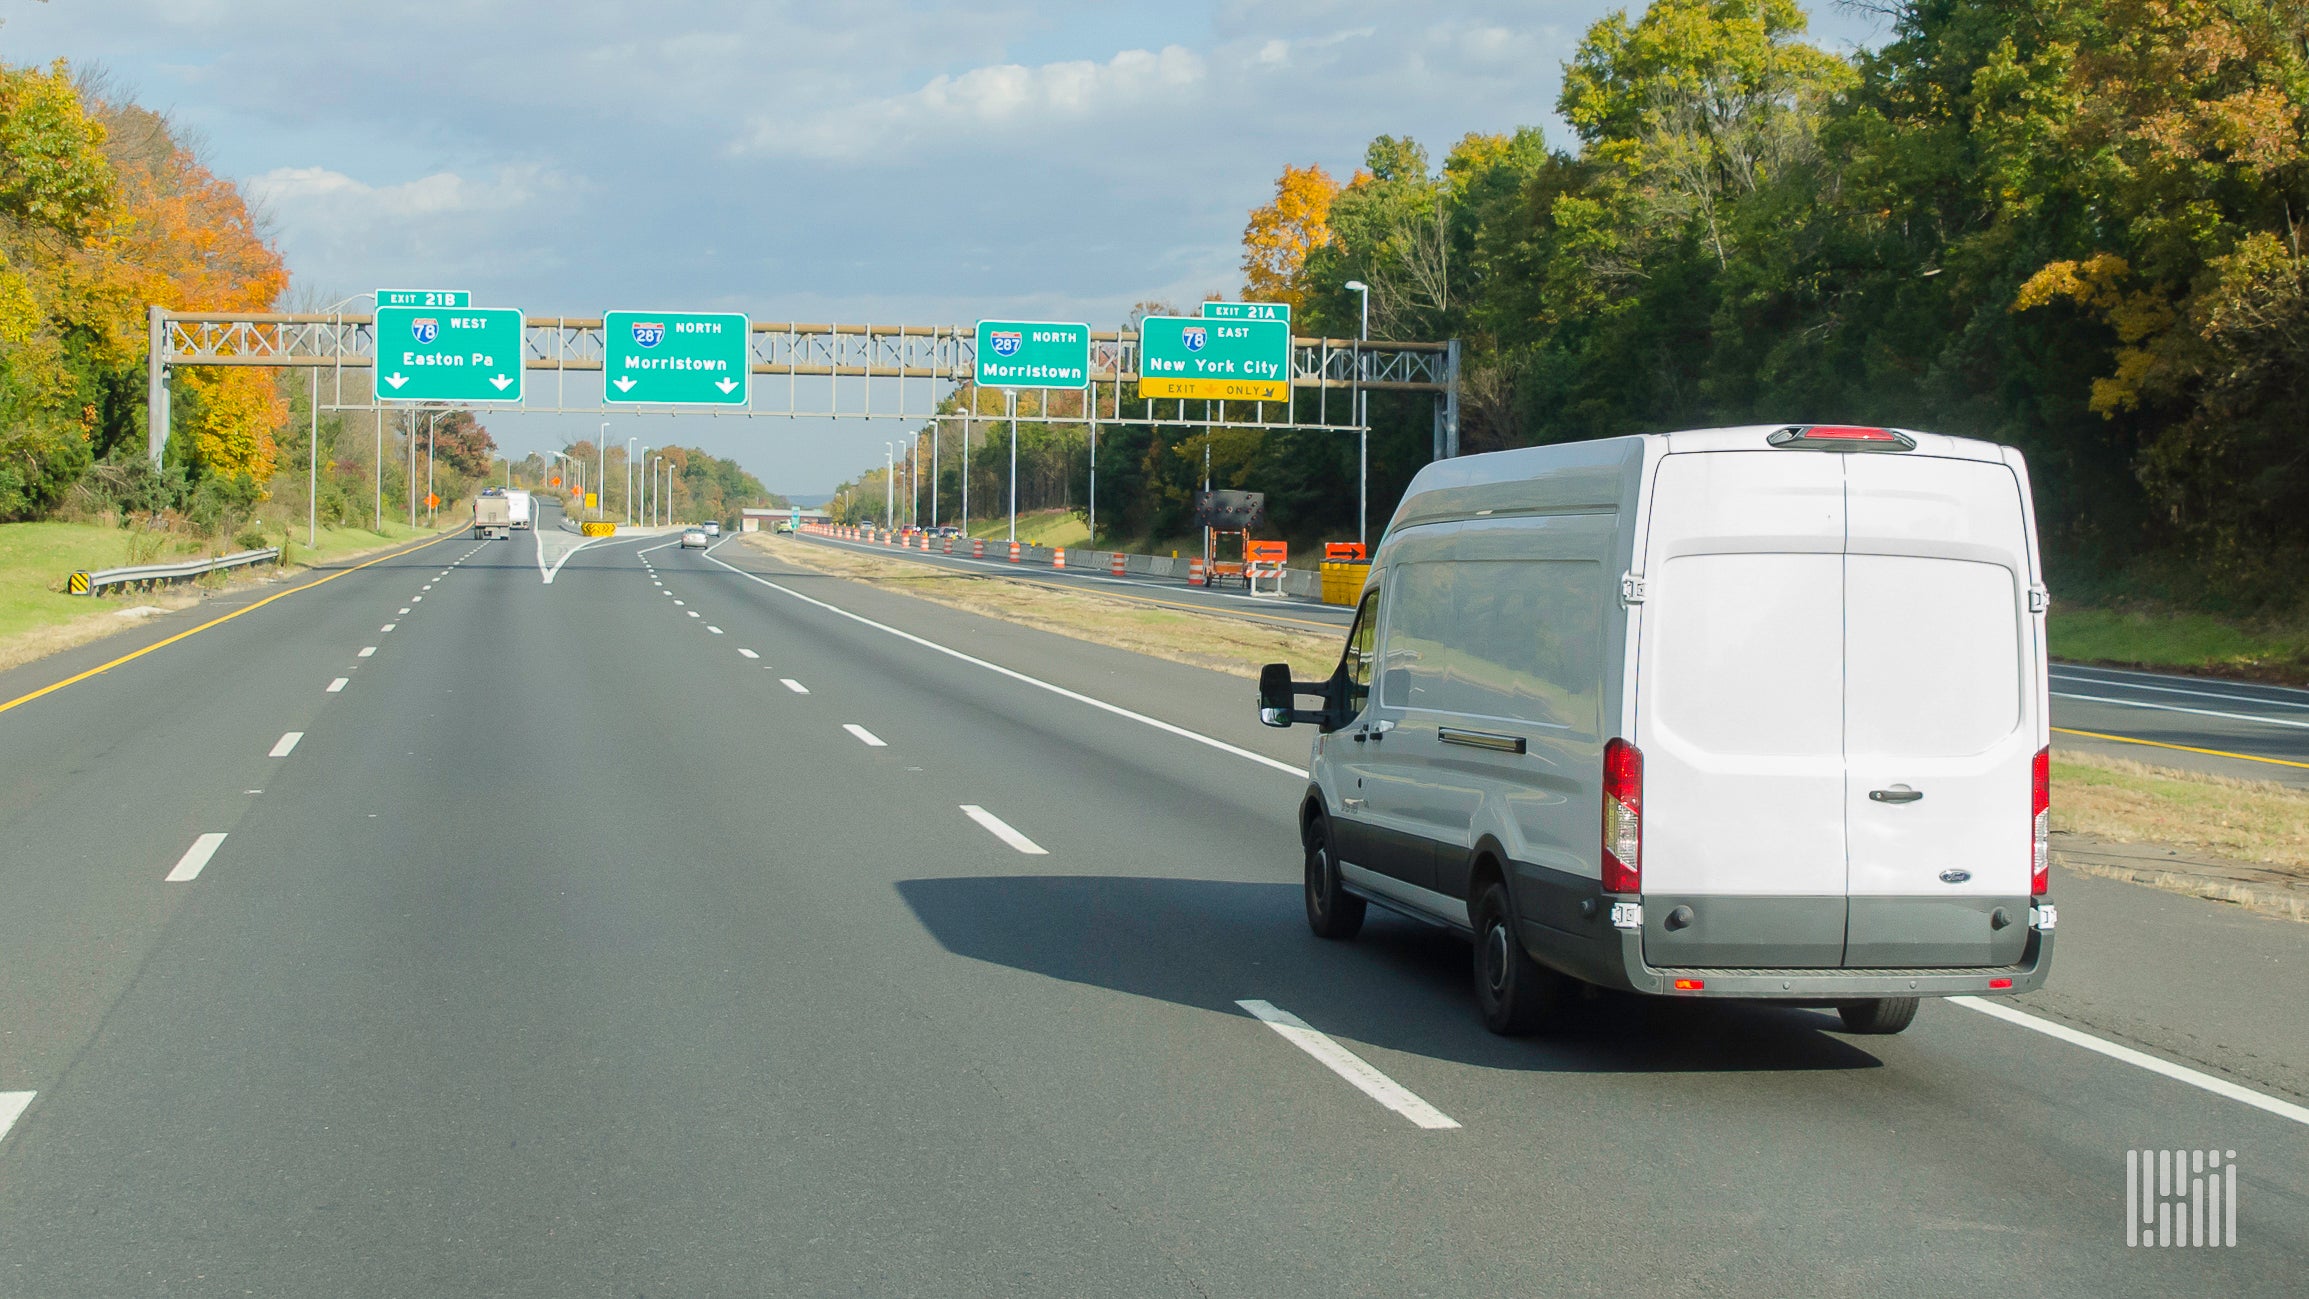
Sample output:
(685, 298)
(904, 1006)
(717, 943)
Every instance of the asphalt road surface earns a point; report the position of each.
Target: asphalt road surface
(688, 925)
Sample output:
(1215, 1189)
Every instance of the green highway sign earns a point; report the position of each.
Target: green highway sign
(1232, 360)
(675, 358)
(424, 298)
(456, 354)
(1033, 354)
(1247, 311)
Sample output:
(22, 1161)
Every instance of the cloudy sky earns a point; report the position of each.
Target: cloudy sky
(892, 161)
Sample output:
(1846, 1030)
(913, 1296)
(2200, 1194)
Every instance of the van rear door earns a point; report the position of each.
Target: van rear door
(1740, 712)
(1939, 711)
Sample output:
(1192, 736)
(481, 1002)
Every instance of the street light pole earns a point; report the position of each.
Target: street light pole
(1362, 424)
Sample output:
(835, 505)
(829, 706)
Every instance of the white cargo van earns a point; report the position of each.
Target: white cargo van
(1752, 712)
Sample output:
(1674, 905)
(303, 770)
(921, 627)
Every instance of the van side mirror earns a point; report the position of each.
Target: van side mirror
(1278, 692)
(1275, 694)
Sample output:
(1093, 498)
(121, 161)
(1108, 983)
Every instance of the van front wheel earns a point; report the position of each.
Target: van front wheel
(1878, 1015)
(1332, 912)
(1517, 994)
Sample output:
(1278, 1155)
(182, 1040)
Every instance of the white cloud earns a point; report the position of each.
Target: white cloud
(974, 104)
(345, 234)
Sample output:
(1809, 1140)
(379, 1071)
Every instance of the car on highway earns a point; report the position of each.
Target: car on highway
(713, 527)
(1755, 712)
(693, 539)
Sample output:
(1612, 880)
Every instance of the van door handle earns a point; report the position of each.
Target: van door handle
(1896, 794)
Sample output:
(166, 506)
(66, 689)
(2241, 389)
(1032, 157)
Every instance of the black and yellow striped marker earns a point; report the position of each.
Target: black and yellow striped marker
(77, 584)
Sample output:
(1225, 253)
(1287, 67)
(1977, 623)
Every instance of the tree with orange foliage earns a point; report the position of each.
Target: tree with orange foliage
(1282, 233)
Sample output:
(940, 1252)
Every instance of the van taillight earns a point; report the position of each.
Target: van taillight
(1623, 818)
(2040, 808)
(1841, 437)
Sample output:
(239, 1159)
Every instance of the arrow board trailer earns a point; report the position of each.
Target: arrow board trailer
(466, 355)
(675, 358)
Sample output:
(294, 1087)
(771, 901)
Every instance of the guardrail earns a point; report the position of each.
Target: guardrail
(86, 583)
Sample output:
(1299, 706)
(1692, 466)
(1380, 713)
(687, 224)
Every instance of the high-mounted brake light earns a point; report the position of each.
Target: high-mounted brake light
(1841, 437)
(2040, 824)
(1623, 818)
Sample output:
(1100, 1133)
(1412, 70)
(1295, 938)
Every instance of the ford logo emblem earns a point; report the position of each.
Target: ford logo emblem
(1955, 877)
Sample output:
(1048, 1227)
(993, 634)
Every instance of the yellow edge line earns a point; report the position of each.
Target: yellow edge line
(107, 667)
(2185, 748)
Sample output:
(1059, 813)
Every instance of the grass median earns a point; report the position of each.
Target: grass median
(1237, 646)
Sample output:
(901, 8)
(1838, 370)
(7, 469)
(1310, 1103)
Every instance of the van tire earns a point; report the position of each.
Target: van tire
(1516, 994)
(1878, 1015)
(1332, 912)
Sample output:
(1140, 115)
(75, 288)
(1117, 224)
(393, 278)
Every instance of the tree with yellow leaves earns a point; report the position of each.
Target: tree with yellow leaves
(1282, 233)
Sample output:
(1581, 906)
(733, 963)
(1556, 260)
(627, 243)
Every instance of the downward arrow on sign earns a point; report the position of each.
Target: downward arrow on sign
(396, 379)
(727, 385)
(501, 381)
(625, 385)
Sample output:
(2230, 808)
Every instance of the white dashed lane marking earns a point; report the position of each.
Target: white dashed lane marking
(865, 737)
(339, 684)
(286, 744)
(749, 653)
(1002, 830)
(793, 685)
(12, 1105)
(1350, 1066)
(188, 867)
(366, 651)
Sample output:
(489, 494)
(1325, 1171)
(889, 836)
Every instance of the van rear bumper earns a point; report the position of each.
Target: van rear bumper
(1622, 966)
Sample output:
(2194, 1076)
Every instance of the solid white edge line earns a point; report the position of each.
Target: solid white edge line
(2176, 690)
(865, 737)
(2139, 1059)
(188, 867)
(1350, 1066)
(287, 743)
(1015, 675)
(1002, 830)
(749, 653)
(2288, 723)
(2276, 697)
(793, 685)
(12, 1106)
(339, 684)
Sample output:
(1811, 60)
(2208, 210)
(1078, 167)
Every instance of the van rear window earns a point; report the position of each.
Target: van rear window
(1749, 653)
(1514, 640)
(1935, 655)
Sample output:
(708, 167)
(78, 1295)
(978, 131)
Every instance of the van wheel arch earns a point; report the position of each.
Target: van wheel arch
(1487, 871)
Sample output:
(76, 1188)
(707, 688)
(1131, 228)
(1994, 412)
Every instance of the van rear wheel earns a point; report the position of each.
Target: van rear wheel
(1332, 912)
(1516, 994)
(1878, 1014)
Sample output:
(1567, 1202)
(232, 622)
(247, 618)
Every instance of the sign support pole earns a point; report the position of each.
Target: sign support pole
(969, 430)
(1010, 400)
(1094, 462)
(378, 466)
(313, 471)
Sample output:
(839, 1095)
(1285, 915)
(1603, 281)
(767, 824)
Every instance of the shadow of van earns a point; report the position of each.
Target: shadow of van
(1402, 985)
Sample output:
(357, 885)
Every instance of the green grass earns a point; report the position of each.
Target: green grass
(2162, 638)
(1035, 528)
(340, 543)
(36, 558)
